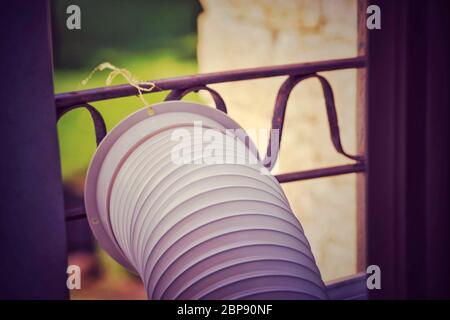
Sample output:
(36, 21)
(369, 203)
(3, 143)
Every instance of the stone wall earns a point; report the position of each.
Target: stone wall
(250, 33)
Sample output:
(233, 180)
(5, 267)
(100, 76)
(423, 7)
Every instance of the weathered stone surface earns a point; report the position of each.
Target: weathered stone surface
(241, 33)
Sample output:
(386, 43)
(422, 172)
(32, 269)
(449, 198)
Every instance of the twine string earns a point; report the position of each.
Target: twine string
(141, 86)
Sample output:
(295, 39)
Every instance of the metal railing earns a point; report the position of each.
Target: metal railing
(180, 86)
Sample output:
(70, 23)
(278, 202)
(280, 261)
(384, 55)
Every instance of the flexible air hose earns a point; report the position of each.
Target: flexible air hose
(200, 229)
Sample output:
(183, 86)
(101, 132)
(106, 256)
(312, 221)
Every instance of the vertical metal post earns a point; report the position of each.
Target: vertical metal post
(33, 255)
(361, 83)
(437, 151)
(408, 150)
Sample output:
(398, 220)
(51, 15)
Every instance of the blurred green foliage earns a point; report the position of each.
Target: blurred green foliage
(152, 39)
(133, 26)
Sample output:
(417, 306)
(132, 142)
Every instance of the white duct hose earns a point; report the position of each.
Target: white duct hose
(196, 231)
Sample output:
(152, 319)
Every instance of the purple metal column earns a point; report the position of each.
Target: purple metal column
(437, 149)
(408, 150)
(33, 255)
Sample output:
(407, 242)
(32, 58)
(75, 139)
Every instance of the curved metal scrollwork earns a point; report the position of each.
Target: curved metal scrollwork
(97, 119)
(178, 94)
(277, 123)
(100, 132)
(280, 112)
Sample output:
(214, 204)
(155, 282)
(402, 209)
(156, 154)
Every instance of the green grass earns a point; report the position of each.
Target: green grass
(75, 129)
